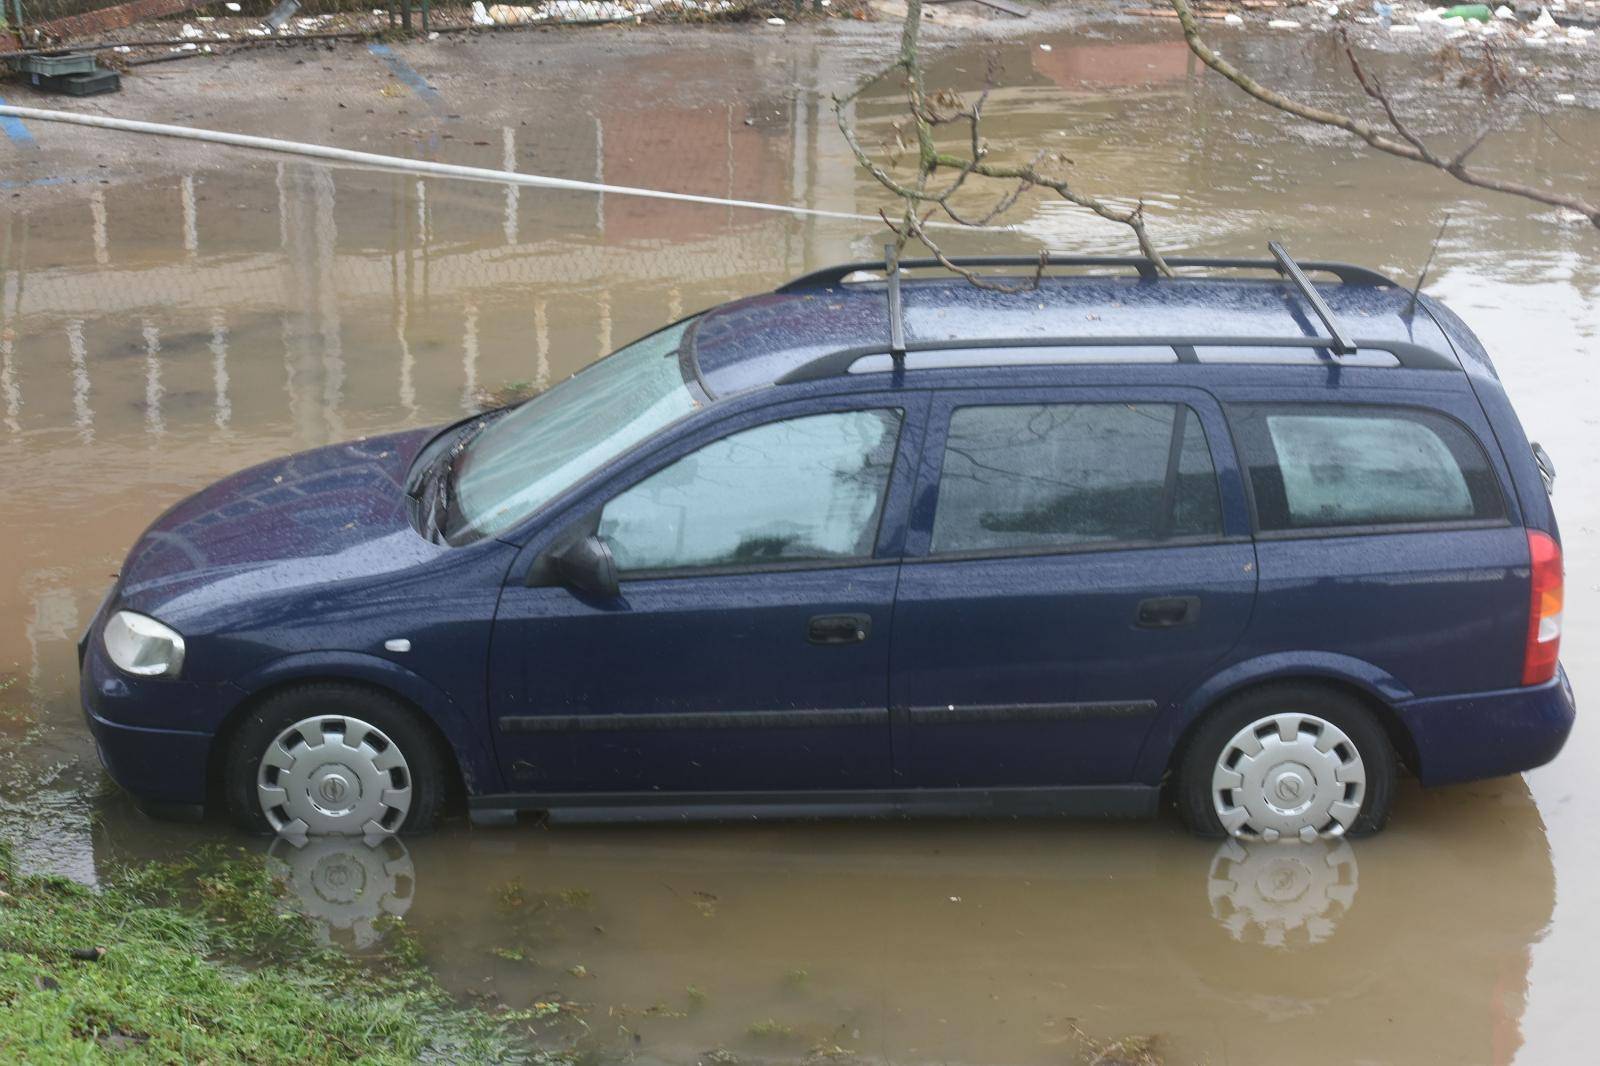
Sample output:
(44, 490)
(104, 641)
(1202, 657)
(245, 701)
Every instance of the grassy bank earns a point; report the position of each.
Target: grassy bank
(213, 970)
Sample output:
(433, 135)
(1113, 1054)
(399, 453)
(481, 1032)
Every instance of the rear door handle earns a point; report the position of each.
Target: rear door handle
(838, 628)
(1164, 612)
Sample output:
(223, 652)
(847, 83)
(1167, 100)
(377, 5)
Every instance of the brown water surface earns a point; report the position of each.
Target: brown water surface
(199, 312)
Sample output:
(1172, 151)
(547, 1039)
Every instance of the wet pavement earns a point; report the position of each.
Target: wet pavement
(169, 315)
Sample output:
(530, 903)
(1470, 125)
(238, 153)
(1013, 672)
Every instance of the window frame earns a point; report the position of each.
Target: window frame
(1200, 406)
(886, 547)
(1231, 409)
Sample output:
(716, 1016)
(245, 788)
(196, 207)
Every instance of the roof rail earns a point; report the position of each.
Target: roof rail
(833, 364)
(1347, 273)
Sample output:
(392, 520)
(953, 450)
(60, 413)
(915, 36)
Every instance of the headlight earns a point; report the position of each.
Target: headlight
(140, 645)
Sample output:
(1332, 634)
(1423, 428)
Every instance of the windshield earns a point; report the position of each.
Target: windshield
(523, 460)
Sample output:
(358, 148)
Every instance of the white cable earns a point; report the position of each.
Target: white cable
(413, 166)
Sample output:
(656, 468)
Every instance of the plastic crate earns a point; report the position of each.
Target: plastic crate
(92, 84)
(57, 64)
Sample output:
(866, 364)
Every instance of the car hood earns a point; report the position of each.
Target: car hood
(336, 513)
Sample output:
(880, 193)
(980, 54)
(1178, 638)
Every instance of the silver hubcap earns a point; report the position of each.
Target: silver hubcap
(1288, 775)
(333, 775)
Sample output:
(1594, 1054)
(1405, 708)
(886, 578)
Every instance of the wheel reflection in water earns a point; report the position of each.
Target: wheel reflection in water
(1282, 895)
(344, 885)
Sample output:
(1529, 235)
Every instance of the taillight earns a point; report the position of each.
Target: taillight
(1544, 610)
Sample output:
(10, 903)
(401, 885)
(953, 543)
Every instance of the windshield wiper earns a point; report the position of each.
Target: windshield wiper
(443, 480)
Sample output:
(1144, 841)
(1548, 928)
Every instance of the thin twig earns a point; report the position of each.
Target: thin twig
(920, 198)
(1404, 146)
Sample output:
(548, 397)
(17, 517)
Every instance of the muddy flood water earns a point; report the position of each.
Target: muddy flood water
(164, 324)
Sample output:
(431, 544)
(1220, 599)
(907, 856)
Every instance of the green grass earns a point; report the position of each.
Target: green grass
(217, 971)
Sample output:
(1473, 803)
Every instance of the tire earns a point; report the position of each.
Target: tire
(1291, 787)
(390, 780)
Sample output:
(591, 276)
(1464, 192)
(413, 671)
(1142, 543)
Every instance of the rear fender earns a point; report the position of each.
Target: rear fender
(1169, 727)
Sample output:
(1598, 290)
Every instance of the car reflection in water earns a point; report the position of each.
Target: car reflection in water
(975, 942)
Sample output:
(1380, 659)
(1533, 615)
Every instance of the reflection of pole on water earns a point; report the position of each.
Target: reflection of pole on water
(602, 314)
(599, 176)
(508, 161)
(219, 368)
(97, 217)
(327, 289)
(77, 353)
(153, 422)
(191, 228)
(312, 335)
(8, 376)
(541, 346)
(11, 309)
(469, 359)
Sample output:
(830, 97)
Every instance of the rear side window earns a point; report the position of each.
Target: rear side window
(1330, 465)
(1055, 476)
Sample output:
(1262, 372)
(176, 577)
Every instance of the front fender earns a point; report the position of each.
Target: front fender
(1284, 665)
(464, 733)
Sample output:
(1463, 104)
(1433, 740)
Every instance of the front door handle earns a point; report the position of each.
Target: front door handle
(1164, 612)
(838, 628)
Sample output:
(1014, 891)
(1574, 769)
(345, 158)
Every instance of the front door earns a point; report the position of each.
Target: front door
(748, 651)
(1072, 567)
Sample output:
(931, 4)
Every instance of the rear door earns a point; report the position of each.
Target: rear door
(1074, 564)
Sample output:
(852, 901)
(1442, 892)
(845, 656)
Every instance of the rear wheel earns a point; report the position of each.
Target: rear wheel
(1287, 762)
(332, 760)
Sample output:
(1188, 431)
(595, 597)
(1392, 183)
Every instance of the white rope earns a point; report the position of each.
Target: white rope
(410, 166)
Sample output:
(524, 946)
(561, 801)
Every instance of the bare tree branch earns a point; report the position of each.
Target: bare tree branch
(921, 199)
(1395, 139)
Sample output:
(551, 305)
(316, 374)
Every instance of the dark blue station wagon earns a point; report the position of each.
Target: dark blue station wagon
(881, 544)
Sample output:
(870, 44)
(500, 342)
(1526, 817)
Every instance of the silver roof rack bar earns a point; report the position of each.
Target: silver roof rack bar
(1341, 342)
(897, 326)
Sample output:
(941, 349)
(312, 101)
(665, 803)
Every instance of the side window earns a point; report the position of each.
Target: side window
(1041, 476)
(1330, 465)
(804, 488)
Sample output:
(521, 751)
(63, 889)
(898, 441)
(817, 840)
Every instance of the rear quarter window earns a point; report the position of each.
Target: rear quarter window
(1320, 466)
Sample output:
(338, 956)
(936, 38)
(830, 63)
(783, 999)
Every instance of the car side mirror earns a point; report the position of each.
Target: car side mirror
(587, 565)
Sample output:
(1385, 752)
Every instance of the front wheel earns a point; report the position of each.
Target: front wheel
(332, 760)
(1287, 762)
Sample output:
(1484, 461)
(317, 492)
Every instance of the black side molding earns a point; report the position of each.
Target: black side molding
(795, 719)
(1032, 712)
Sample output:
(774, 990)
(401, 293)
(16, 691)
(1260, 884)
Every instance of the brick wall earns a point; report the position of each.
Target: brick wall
(89, 23)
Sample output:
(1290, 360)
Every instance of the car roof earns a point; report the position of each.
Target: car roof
(816, 326)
